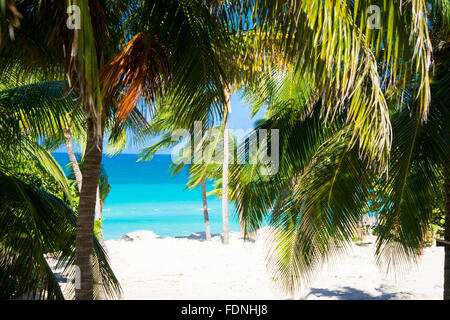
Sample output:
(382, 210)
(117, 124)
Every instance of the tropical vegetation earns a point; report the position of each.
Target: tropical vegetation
(357, 89)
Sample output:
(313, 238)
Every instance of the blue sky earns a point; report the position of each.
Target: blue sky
(239, 119)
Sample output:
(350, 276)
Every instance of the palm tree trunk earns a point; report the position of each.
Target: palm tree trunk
(241, 222)
(226, 235)
(79, 179)
(86, 211)
(447, 238)
(72, 158)
(205, 211)
(98, 210)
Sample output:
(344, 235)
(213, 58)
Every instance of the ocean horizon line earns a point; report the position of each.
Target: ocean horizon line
(115, 155)
(145, 195)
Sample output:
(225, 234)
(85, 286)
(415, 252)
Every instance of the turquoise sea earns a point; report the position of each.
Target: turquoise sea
(145, 196)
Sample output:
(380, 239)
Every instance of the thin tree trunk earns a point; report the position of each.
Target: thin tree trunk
(86, 212)
(98, 210)
(73, 159)
(447, 238)
(226, 235)
(98, 216)
(205, 211)
(241, 222)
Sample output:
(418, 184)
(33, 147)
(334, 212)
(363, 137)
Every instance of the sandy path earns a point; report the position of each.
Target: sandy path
(149, 267)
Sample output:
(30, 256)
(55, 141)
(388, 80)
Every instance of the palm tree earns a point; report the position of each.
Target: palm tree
(108, 69)
(163, 123)
(47, 56)
(72, 157)
(316, 199)
(205, 212)
(350, 65)
(226, 233)
(36, 225)
(53, 95)
(353, 70)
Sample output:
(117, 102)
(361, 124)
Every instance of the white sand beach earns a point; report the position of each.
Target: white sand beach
(151, 267)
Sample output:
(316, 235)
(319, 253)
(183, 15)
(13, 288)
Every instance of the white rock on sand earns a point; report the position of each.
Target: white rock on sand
(151, 267)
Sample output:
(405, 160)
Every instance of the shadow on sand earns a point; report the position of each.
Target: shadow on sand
(201, 236)
(349, 293)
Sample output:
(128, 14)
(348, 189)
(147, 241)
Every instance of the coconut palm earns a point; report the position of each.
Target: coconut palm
(53, 96)
(327, 172)
(316, 199)
(241, 66)
(163, 124)
(350, 64)
(37, 226)
(171, 43)
(355, 61)
(357, 74)
(53, 51)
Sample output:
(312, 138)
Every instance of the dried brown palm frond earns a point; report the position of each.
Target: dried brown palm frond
(136, 70)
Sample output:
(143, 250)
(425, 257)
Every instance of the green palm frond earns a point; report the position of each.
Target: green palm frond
(117, 143)
(320, 213)
(40, 109)
(313, 203)
(24, 151)
(149, 152)
(440, 17)
(38, 49)
(35, 226)
(84, 68)
(419, 162)
(316, 199)
(259, 192)
(348, 61)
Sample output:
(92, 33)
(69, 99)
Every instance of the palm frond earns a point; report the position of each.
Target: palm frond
(419, 161)
(37, 226)
(347, 60)
(24, 150)
(42, 109)
(315, 220)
